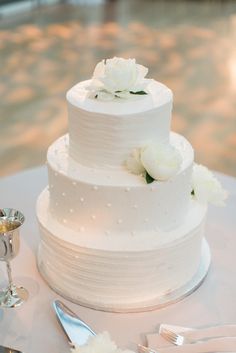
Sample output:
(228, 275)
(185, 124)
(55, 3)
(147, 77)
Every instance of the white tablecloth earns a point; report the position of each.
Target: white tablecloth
(33, 327)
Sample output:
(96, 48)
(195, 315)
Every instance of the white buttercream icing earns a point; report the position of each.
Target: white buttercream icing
(102, 134)
(118, 273)
(109, 201)
(109, 240)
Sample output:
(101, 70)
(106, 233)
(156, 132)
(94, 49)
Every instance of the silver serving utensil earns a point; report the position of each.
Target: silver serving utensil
(225, 344)
(8, 350)
(76, 330)
(177, 336)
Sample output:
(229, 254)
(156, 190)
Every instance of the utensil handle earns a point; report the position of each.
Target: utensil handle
(210, 332)
(226, 344)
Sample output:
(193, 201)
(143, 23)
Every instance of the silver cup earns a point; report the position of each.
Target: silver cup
(10, 222)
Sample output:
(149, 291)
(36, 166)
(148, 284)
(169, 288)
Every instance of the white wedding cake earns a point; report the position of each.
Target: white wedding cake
(122, 220)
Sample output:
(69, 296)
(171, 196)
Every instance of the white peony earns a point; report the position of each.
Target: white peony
(161, 161)
(118, 77)
(133, 162)
(100, 343)
(206, 188)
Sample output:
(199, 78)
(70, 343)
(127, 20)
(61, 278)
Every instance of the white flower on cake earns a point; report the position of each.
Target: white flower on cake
(134, 163)
(206, 187)
(158, 161)
(100, 343)
(118, 77)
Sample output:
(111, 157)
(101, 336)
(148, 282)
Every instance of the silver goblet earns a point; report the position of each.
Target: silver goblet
(10, 223)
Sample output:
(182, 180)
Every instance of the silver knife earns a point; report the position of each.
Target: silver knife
(76, 330)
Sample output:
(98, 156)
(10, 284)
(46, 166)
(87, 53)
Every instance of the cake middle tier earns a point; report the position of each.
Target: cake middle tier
(111, 202)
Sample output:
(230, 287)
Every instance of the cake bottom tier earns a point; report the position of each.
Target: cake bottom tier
(106, 274)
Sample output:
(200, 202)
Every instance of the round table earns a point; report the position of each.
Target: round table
(33, 327)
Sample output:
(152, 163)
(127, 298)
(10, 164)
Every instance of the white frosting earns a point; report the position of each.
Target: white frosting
(125, 241)
(108, 239)
(96, 200)
(102, 134)
(118, 272)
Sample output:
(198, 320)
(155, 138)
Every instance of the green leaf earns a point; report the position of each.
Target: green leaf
(139, 92)
(149, 178)
(193, 193)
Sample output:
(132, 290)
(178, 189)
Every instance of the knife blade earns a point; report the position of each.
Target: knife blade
(76, 330)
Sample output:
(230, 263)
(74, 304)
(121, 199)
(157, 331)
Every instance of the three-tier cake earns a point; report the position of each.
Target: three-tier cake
(114, 238)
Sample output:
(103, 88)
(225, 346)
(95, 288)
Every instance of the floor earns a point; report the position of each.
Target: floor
(188, 45)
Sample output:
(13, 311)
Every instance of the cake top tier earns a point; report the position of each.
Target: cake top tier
(118, 110)
(119, 87)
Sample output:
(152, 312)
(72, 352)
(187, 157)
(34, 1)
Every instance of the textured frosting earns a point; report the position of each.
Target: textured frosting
(122, 273)
(102, 134)
(109, 240)
(93, 200)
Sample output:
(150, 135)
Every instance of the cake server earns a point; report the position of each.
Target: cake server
(76, 330)
(8, 350)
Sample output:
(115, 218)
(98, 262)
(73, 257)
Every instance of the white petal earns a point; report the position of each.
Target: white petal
(140, 86)
(161, 161)
(95, 85)
(142, 71)
(206, 186)
(104, 96)
(148, 160)
(134, 164)
(99, 70)
(124, 94)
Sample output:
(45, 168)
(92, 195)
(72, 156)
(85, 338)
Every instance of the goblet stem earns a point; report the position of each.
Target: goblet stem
(11, 286)
(12, 296)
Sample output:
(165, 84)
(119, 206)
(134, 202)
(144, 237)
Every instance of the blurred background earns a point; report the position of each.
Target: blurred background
(47, 46)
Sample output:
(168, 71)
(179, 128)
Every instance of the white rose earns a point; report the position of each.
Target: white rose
(119, 77)
(161, 161)
(206, 187)
(100, 343)
(133, 162)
